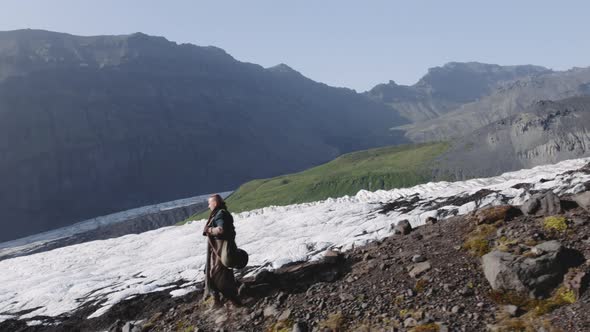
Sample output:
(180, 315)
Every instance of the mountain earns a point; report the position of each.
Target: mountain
(547, 132)
(444, 89)
(509, 98)
(95, 125)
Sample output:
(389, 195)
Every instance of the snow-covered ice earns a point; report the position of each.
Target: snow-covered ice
(109, 271)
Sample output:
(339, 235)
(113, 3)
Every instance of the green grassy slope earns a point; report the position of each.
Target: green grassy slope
(380, 168)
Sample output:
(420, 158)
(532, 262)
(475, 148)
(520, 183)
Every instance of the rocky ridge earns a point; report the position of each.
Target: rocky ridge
(446, 88)
(507, 99)
(548, 131)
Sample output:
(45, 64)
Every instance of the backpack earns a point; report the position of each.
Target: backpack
(232, 256)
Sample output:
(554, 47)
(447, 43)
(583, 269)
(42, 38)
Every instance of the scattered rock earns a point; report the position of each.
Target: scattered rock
(418, 258)
(285, 315)
(346, 297)
(300, 327)
(442, 327)
(256, 314)
(467, 291)
(457, 309)
(431, 221)
(418, 269)
(531, 205)
(492, 214)
(270, 311)
(221, 319)
(281, 297)
(510, 309)
(410, 322)
(542, 204)
(546, 247)
(574, 279)
(402, 227)
(583, 200)
(579, 221)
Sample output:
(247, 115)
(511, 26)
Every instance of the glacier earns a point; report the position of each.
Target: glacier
(105, 272)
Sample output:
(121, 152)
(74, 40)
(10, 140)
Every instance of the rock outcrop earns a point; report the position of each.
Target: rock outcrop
(536, 275)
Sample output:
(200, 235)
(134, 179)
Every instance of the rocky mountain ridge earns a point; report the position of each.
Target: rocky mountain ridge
(546, 132)
(444, 89)
(510, 98)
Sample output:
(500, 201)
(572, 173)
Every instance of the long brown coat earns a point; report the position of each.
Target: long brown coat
(218, 279)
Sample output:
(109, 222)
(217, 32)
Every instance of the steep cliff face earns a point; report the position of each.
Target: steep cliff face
(549, 131)
(508, 99)
(94, 125)
(444, 89)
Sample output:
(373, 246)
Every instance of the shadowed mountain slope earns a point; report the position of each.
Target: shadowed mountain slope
(94, 125)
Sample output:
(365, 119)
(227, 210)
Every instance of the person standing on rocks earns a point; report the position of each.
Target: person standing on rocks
(220, 232)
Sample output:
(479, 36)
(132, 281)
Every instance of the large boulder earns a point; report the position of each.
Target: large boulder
(492, 214)
(402, 227)
(542, 204)
(535, 275)
(500, 269)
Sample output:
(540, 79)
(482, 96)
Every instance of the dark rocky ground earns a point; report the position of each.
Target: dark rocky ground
(430, 279)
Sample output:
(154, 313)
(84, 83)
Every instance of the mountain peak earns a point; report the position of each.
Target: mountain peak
(283, 68)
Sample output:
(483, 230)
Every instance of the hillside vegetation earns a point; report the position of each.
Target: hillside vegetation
(374, 169)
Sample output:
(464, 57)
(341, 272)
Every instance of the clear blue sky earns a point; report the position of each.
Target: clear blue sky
(355, 44)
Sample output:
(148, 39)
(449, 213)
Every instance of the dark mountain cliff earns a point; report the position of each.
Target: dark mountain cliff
(93, 125)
